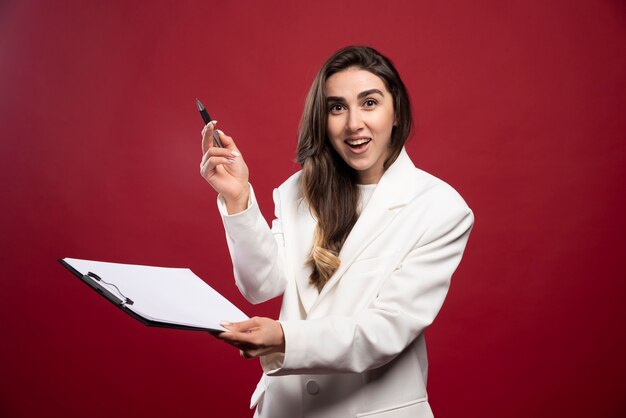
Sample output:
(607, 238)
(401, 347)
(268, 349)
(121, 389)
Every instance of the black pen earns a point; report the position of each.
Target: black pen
(206, 118)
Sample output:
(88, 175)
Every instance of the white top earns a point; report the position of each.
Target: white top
(367, 190)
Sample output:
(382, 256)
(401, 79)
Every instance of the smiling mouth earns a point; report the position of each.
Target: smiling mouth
(357, 143)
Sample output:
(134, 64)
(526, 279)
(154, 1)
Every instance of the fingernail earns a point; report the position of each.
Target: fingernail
(213, 122)
(220, 131)
(226, 323)
(235, 154)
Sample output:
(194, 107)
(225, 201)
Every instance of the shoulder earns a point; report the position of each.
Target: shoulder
(418, 187)
(429, 202)
(290, 188)
(440, 207)
(434, 191)
(287, 196)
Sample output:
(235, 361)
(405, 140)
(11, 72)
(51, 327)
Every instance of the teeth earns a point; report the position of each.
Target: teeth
(357, 141)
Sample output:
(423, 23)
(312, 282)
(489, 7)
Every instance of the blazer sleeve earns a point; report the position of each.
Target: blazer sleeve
(256, 251)
(407, 303)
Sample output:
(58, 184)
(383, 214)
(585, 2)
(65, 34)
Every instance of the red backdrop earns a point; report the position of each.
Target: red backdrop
(519, 105)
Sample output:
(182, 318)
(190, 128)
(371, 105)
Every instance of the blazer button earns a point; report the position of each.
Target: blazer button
(312, 387)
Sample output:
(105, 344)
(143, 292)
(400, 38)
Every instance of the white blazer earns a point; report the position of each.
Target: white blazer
(355, 349)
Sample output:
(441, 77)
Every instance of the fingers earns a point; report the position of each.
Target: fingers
(255, 337)
(243, 326)
(246, 351)
(227, 141)
(207, 136)
(219, 152)
(243, 334)
(216, 156)
(251, 347)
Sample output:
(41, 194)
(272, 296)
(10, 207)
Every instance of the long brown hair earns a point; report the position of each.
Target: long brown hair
(327, 183)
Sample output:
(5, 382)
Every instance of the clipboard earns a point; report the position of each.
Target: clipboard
(157, 296)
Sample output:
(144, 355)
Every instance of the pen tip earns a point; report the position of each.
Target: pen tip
(199, 104)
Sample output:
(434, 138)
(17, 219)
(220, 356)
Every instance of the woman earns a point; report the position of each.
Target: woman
(362, 250)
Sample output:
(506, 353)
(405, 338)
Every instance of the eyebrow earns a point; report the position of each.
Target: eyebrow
(359, 96)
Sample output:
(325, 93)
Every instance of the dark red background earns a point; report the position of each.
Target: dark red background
(520, 105)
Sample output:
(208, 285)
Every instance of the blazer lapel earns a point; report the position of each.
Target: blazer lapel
(298, 226)
(390, 196)
(301, 250)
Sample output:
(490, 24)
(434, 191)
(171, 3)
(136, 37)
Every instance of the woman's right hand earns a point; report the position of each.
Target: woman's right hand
(225, 169)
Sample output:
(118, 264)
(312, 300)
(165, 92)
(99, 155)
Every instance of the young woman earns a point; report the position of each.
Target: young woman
(362, 250)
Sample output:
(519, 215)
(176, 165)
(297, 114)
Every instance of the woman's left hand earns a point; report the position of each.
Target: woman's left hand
(255, 337)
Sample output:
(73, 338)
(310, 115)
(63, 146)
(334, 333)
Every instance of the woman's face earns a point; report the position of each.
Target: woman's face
(360, 120)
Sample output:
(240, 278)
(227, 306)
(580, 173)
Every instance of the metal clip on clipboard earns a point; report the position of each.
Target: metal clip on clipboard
(93, 280)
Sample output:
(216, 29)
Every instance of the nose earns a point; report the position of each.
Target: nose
(355, 121)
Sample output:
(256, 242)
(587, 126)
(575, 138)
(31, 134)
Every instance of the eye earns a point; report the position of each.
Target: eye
(335, 108)
(370, 103)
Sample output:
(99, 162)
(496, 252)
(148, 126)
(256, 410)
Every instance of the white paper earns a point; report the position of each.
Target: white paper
(171, 295)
